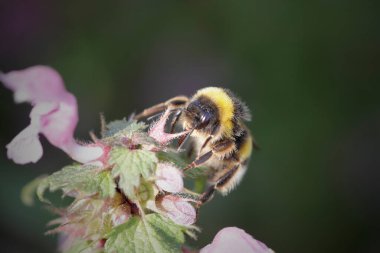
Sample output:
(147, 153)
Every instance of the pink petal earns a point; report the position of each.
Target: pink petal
(169, 178)
(58, 125)
(157, 131)
(25, 147)
(34, 84)
(120, 215)
(232, 239)
(179, 210)
(85, 154)
(55, 115)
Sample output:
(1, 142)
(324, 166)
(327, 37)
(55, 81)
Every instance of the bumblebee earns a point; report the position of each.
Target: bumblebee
(215, 120)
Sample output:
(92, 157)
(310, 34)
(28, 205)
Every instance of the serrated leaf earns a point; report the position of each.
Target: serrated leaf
(134, 127)
(123, 127)
(129, 165)
(115, 126)
(78, 178)
(72, 177)
(105, 184)
(151, 234)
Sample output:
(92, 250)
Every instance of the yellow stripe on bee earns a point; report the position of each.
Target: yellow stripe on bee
(246, 149)
(224, 104)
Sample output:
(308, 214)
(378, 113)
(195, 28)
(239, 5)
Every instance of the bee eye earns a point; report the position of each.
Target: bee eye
(203, 120)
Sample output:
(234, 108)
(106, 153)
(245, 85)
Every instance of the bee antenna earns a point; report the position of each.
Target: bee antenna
(155, 116)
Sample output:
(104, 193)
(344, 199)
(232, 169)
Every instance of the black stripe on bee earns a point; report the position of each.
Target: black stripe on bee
(237, 129)
(241, 139)
(241, 111)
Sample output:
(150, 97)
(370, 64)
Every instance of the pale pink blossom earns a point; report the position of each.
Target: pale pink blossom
(120, 215)
(233, 239)
(157, 131)
(54, 114)
(178, 210)
(169, 178)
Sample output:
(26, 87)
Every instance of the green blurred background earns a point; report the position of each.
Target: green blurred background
(309, 71)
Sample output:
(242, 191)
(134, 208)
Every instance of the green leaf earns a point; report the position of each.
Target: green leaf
(106, 184)
(151, 234)
(78, 178)
(123, 127)
(72, 177)
(130, 165)
(145, 192)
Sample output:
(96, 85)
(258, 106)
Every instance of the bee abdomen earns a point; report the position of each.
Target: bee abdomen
(244, 144)
(231, 179)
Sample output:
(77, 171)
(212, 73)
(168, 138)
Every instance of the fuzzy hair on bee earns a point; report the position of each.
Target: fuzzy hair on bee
(215, 118)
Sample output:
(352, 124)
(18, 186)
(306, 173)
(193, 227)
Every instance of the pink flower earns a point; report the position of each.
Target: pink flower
(120, 214)
(233, 239)
(169, 178)
(178, 210)
(54, 114)
(158, 133)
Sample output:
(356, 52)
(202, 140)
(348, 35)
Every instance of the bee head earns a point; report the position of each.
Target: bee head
(200, 115)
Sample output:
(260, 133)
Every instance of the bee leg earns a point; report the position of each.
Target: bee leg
(209, 193)
(204, 144)
(175, 120)
(174, 103)
(224, 146)
(200, 160)
(188, 195)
